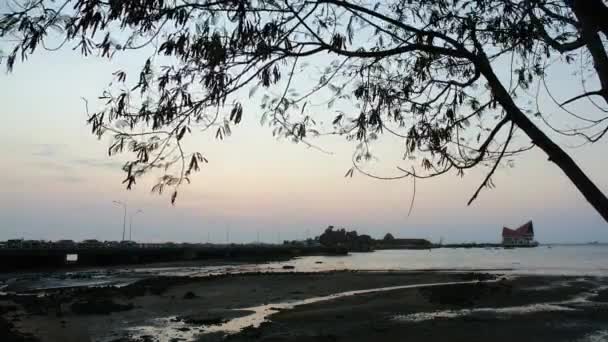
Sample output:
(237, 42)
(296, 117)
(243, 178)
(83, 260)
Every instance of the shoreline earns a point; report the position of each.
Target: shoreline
(210, 254)
(50, 259)
(150, 265)
(186, 307)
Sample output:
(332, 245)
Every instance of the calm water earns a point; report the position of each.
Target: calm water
(558, 260)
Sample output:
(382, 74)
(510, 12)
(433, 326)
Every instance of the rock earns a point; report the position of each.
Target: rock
(326, 338)
(380, 326)
(122, 339)
(459, 295)
(189, 295)
(477, 276)
(251, 332)
(99, 307)
(156, 286)
(33, 305)
(204, 321)
(318, 262)
(288, 267)
(9, 334)
(184, 329)
(602, 296)
(145, 338)
(7, 308)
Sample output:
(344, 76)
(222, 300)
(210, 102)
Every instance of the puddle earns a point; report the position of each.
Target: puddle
(164, 329)
(597, 336)
(584, 298)
(566, 305)
(508, 311)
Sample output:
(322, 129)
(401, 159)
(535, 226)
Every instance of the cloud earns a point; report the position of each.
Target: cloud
(70, 179)
(62, 165)
(57, 156)
(96, 163)
(47, 150)
(51, 165)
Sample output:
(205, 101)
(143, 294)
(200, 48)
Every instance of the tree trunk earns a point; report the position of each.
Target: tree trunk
(593, 18)
(556, 154)
(591, 14)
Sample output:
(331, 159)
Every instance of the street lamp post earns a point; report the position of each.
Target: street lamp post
(124, 218)
(131, 222)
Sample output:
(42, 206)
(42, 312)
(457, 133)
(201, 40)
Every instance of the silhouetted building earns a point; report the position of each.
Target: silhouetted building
(522, 236)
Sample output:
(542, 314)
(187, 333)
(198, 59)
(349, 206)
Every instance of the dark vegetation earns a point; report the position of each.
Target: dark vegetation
(352, 241)
(456, 81)
(347, 239)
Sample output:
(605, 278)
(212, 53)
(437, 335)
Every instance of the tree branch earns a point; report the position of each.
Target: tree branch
(489, 175)
(591, 93)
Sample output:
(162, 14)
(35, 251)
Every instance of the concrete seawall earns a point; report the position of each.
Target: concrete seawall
(22, 259)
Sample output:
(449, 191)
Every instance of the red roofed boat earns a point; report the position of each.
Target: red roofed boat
(520, 237)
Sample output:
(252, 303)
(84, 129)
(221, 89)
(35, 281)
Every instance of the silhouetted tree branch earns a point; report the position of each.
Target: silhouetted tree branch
(425, 72)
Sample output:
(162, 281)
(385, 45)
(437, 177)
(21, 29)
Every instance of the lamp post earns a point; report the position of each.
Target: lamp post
(124, 218)
(131, 222)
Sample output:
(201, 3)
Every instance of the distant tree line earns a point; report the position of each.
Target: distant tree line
(352, 241)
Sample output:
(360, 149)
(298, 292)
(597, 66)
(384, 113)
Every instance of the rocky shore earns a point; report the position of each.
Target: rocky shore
(392, 305)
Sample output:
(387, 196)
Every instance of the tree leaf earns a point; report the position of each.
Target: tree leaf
(181, 133)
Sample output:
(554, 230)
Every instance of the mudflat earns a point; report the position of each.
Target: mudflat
(470, 307)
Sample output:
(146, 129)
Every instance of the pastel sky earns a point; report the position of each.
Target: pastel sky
(57, 181)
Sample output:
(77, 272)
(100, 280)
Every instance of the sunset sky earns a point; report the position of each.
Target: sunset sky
(58, 181)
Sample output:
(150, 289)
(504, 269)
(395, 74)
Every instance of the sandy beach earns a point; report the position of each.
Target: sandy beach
(292, 306)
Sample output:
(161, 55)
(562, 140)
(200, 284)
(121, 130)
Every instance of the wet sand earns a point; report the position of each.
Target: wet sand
(182, 309)
(524, 309)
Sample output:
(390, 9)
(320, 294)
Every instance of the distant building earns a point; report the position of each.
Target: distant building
(14, 243)
(522, 236)
(390, 242)
(90, 243)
